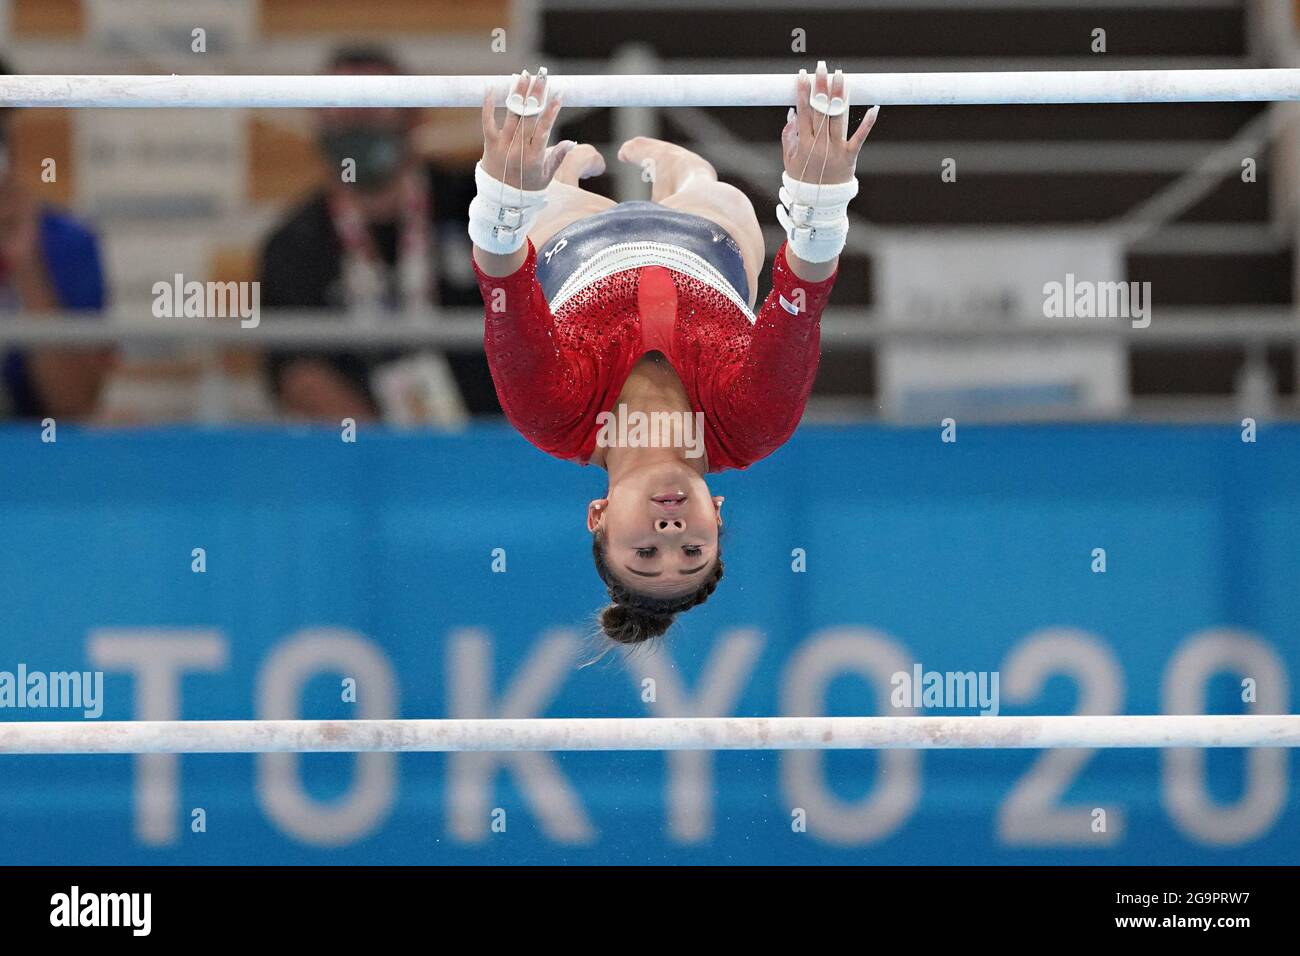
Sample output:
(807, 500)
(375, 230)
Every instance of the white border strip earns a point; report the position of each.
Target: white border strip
(645, 733)
(772, 89)
(625, 256)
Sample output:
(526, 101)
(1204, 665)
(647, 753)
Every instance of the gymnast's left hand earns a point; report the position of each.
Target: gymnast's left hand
(816, 147)
(516, 152)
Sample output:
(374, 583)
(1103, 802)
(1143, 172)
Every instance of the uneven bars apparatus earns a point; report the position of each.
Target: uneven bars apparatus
(697, 733)
(660, 90)
(645, 733)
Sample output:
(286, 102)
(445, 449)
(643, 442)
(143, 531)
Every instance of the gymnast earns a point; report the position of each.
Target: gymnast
(596, 308)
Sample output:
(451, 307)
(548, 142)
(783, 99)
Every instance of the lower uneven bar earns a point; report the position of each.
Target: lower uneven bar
(645, 733)
(660, 90)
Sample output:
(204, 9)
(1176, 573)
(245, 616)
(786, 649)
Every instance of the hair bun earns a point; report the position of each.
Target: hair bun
(625, 625)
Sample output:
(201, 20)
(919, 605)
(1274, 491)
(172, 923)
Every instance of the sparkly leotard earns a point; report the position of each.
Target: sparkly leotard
(749, 374)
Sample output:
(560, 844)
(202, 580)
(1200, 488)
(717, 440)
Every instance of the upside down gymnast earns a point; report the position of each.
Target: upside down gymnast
(594, 306)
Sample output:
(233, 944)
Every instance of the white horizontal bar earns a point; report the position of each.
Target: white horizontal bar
(774, 89)
(985, 63)
(462, 329)
(644, 733)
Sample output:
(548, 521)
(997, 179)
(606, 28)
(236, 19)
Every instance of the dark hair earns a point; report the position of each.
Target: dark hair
(5, 111)
(364, 56)
(635, 617)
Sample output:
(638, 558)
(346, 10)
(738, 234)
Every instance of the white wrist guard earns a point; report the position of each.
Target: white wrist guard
(500, 215)
(815, 217)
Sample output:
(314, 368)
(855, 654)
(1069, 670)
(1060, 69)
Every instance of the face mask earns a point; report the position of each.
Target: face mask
(378, 154)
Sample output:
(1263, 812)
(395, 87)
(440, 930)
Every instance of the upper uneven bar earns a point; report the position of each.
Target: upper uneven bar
(771, 89)
(645, 733)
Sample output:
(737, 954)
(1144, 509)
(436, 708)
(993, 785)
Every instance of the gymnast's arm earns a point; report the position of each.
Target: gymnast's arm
(499, 266)
(534, 378)
(817, 149)
(767, 389)
(762, 395)
(807, 271)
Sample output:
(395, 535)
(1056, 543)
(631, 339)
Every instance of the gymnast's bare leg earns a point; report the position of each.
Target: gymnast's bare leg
(685, 181)
(566, 200)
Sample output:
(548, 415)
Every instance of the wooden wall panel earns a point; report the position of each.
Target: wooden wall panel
(38, 134)
(283, 163)
(47, 19)
(279, 18)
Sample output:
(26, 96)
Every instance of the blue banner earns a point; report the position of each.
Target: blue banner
(268, 573)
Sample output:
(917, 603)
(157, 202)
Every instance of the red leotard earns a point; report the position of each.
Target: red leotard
(555, 373)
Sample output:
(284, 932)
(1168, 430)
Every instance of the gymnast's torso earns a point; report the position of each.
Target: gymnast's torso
(630, 290)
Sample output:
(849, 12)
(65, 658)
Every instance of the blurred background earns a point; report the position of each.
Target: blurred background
(183, 516)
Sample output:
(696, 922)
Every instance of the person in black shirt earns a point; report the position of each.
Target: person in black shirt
(382, 237)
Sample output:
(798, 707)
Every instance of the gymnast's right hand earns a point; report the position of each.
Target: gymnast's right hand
(516, 153)
(512, 176)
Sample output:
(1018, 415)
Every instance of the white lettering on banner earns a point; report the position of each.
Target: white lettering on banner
(362, 810)
(1185, 795)
(819, 660)
(552, 797)
(1030, 816)
(690, 772)
(157, 658)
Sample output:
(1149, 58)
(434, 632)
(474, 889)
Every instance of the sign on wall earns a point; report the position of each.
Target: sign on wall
(995, 278)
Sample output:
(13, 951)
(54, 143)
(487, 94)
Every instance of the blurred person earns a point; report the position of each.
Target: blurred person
(49, 264)
(365, 246)
(595, 308)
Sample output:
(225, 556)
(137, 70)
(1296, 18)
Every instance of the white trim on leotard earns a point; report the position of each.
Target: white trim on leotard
(623, 256)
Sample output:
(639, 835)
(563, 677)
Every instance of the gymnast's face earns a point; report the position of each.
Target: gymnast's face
(661, 528)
